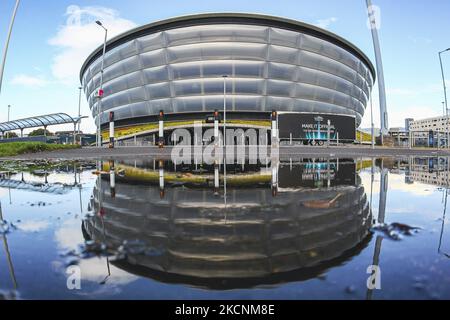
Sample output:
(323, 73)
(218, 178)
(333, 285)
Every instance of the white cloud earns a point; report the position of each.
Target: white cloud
(325, 23)
(76, 39)
(34, 226)
(29, 81)
(69, 237)
(417, 102)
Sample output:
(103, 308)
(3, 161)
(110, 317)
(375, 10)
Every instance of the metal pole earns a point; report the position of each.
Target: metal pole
(384, 174)
(5, 50)
(380, 72)
(75, 133)
(7, 133)
(445, 95)
(372, 125)
(224, 110)
(328, 133)
(79, 111)
(225, 136)
(99, 107)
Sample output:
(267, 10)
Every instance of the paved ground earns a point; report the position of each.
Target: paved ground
(285, 151)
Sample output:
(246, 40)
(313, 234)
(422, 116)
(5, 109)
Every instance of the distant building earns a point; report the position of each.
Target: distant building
(429, 171)
(400, 136)
(408, 122)
(440, 123)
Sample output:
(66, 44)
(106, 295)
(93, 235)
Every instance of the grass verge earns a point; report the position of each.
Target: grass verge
(136, 129)
(18, 148)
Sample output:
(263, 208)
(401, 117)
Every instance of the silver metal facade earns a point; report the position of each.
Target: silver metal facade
(180, 70)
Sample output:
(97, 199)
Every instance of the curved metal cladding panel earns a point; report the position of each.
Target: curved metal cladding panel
(179, 68)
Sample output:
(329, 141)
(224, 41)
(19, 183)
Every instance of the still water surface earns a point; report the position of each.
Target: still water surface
(297, 229)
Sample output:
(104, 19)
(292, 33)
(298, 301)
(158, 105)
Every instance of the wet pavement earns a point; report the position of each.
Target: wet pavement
(295, 228)
(285, 150)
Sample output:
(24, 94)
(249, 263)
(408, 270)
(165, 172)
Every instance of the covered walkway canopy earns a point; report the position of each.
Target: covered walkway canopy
(39, 121)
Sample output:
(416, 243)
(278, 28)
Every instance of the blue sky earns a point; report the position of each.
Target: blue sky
(49, 44)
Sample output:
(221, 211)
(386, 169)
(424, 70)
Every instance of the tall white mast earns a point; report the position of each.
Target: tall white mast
(5, 50)
(381, 86)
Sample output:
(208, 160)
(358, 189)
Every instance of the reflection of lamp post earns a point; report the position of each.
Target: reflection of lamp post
(445, 209)
(319, 119)
(99, 105)
(8, 254)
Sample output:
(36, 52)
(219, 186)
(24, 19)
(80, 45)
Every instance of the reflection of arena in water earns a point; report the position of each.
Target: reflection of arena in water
(191, 236)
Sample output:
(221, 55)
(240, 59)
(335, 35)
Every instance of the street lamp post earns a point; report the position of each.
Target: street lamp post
(79, 110)
(224, 109)
(7, 133)
(445, 95)
(225, 135)
(99, 105)
(5, 50)
(372, 125)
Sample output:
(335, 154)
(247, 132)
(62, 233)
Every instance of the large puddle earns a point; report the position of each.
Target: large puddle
(296, 229)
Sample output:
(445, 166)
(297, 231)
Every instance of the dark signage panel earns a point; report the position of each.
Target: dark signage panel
(310, 126)
(316, 173)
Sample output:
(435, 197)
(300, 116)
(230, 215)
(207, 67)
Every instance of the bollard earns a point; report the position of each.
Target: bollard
(274, 167)
(161, 130)
(111, 130)
(216, 128)
(216, 178)
(161, 179)
(274, 128)
(112, 179)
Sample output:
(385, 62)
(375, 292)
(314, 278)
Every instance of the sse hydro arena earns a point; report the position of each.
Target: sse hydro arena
(308, 75)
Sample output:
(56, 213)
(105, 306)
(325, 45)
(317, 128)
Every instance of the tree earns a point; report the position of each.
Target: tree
(39, 132)
(11, 134)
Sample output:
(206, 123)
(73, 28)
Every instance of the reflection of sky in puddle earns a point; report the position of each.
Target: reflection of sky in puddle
(411, 268)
